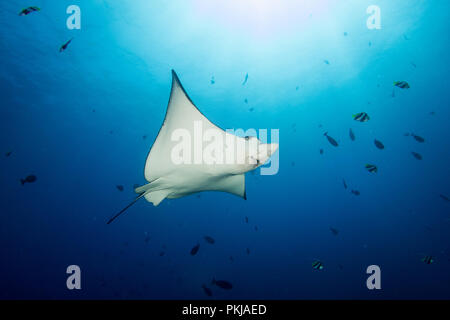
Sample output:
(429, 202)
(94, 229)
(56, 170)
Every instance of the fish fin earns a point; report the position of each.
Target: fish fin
(124, 209)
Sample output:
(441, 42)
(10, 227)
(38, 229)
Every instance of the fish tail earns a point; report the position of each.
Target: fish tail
(124, 209)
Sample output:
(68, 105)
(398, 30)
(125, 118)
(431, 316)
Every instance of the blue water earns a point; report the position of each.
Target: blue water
(76, 120)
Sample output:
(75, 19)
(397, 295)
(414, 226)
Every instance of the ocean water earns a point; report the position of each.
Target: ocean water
(76, 120)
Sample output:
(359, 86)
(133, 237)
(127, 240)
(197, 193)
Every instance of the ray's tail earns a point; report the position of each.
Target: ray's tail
(124, 209)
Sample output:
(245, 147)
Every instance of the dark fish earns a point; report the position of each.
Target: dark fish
(222, 284)
(413, 64)
(209, 239)
(370, 44)
(378, 144)
(65, 45)
(361, 117)
(119, 187)
(416, 155)
(444, 197)
(29, 179)
(194, 250)
(355, 192)
(418, 138)
(428, 259)
(293, 163)
(334, 231)
(212, 80)
(248, 251)
(251, 109)
(326, 62)
(28, 10)
(402, 84)
(144, 137)
(317, 265)
(321, 151)
(245, 100)
(147, 237)
(162, 253)
(8, 153)
(331, 140)
(246, 219)
(245, 80)
(231, 259)
(432, 113)
(256, 228)
(371, 168)
(297, 87)
(345, 184)
(351, 134)
(345, 34)
(207, 290)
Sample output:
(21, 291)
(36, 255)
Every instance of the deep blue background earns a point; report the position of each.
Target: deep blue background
(119, 65)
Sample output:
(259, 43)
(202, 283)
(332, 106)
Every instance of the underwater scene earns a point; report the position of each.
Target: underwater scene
(113, 116)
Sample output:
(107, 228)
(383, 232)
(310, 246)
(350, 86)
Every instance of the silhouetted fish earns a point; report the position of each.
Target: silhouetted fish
(194, 250)
(144, 137)
(416, 155)
(317, 265)
(209, 239)
(246, 219)
(326, 62)
(428, 259)
(401, 84)
(321, 151)
(222, 284)
(28, 10)
(361, 117)
(256, 228)
(212, 80)
(207, 290)
(418, 138)
(379, 144)
(334, 231)
(162, 253)
(251, 109)
(65, 45)
(345, 34)
(248, 251)
(351, 134)
(119, 187)
(8, 153)
(331, 140)
(29, 179)
(371, 168)
(444, 197)
(345, 184)
(245, 100)
(355, 192)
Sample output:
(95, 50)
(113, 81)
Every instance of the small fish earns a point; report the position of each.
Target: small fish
(361, 117)
(345, 184)
(297, 87)
(194, 250)
(222, 284)
(207, 290)
(29, 10)
(428, 259)
(432, 113)
(293, 163)
(402, 84)
(231, 259)
(355, 192)
(378, 144)
(119, 187)
(334, 231)
(65, 45)
(29, 179)
(212, 80)
(418, 138)
(413, 64)
(162, 253)
(251, 109)
(444, 197)
(144, 137)
(317, 265)
(8, 153)
(256, 228)
(370, 43)
(246, 219)
(326, 62)
(416, 155)
(245, 100)
(351, 134)
(209, 239)
(345, 34)
(371, 168)
(248, 251)
(321, 151)
(147, 237)
(245, 80)
(331, 140)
